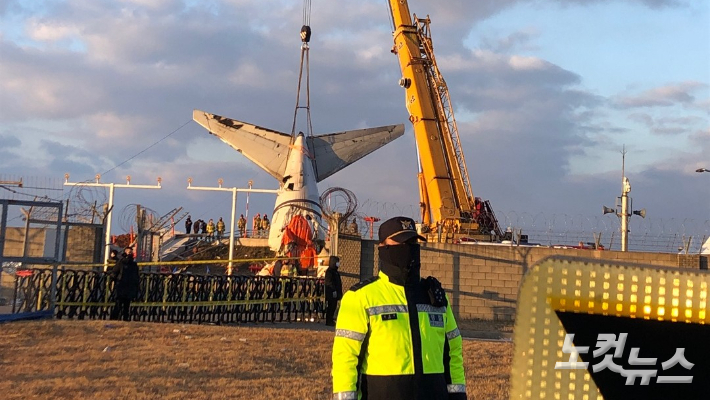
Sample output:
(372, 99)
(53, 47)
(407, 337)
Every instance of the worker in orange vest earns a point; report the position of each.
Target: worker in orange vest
(308, 259)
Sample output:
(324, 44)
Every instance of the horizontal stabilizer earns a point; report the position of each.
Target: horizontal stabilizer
(265, 147)
(335, 151)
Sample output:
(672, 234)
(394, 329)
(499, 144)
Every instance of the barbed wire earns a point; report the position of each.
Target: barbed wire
(645, 234)
(24, 188)
(127, 216)
(649, 234)
(87, 204)
(668, 235)
(387, 210)
(338, 200)
(17, 187)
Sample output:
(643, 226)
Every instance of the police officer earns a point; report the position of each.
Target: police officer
(127, 285)
(333, 289)
(396, 337)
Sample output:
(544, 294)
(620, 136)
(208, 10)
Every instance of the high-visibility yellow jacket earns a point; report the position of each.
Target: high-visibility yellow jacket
(391, 343)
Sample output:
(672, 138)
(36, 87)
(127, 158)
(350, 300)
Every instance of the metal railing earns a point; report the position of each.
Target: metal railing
(182, 298)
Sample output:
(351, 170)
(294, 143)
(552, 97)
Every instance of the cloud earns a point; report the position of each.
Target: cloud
(516, 41)
(61, 158)
(665, 96)
(653, 4)
(42, 31)
(670, 126)
(701, 142)
(7, 142)
(8, 150)
(656, 4)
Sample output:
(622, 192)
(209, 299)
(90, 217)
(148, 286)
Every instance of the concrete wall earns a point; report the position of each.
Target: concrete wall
(482, 281)
(14, 238)
(85, 244)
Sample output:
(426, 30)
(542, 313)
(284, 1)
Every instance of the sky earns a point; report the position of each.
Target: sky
(546, 94)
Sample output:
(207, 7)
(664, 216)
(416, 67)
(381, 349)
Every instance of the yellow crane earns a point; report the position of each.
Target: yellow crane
(449, 209)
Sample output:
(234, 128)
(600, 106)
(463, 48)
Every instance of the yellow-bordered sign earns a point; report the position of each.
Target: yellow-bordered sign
(650, 311)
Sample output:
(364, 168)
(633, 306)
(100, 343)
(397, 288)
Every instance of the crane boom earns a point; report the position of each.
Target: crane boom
(441, 203)
(446, 196)
(447, 122)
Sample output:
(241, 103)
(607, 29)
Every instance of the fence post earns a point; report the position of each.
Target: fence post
(52, 289)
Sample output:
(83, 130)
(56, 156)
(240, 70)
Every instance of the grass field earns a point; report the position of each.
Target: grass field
(133, 360)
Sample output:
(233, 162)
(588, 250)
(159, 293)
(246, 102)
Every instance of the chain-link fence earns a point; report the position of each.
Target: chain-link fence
(663, 235)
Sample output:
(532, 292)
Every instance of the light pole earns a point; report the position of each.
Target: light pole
(246, 212)
(109, 212)
(234, 191)
(623, 206)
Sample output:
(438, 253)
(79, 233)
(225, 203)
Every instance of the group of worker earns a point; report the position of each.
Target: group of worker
(305, 265)
(260, 226)
(209, 229)
(212, 230)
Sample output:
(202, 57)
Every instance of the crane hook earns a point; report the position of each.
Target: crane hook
(305, 33)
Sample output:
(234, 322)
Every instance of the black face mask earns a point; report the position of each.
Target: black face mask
(401, 263)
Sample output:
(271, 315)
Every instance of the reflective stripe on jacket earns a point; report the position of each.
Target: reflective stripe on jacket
(391, 343)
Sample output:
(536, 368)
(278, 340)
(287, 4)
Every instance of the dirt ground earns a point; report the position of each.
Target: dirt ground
(131, 360)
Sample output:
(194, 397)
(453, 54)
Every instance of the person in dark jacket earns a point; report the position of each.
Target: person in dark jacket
(126, 284)
(188, 224)
(113, 257)
(333, 289)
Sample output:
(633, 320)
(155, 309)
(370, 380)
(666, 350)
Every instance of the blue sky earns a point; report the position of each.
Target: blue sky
(546, 94)
(595, 41)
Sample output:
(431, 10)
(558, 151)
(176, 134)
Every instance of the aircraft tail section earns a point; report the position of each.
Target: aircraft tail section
(265, 147)
(335, 151)
(269, 149)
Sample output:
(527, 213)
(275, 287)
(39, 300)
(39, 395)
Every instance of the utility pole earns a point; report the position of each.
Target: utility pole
(109, 212)
(623, 210)
(234, 191)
